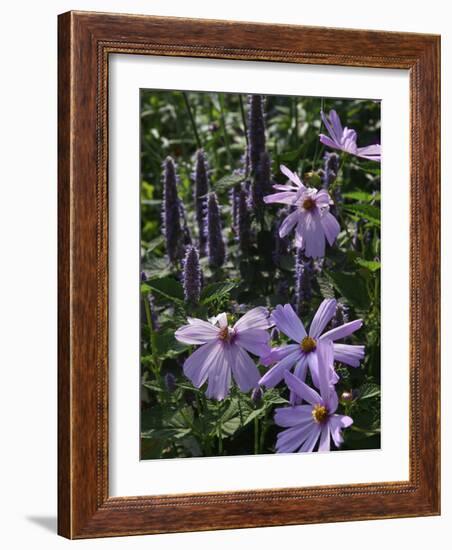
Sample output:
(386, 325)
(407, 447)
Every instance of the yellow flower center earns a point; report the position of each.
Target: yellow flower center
(308, 344)
(319, 413)
(308, 204)
(224, 334)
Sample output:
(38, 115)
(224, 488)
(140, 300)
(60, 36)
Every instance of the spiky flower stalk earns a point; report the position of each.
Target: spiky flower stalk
(256, 131)
(191, 276)
(215, 244)
(170, 382)
(281, 244)
(171, 212)
(341, 315)
(243, 222)
(201, 180)
(235, 195)
(303, 292)
(330, 168)
(261, 183)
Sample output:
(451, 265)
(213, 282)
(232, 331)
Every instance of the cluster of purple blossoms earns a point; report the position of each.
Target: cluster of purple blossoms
(310, 216)
(171, 213)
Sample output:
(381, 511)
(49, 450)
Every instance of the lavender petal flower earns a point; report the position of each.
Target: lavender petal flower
(224, 351)
(315, 422)
(311, 219)
(288, 357)
(345, 139)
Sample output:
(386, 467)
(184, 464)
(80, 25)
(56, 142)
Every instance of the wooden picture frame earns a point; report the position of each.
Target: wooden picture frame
(86, 40)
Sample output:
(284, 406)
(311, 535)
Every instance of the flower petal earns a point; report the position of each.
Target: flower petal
(311, 440)
(291, 175)
(219, 377)
(330, 226)
(329, 142)
(325, 365)
(337, 422)
(313, 234)
(244, 369)
(257, 317)
(290, 440)
(343, 331)
(276, 373)
(336, 124)
(300, 372)
(288, 223)
(196, 332)
(286, 417)
(198, 365)
(287, 321)
(323, 316)
(371, 152)
(253, 340)
(324, 444)
(285, 197)
(302, 389)
(348, 354)
(276, 354)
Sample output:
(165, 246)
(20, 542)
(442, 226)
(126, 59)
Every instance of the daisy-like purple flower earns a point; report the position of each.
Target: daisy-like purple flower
(224, 351)
(304, 352)
(311, 217)
(316, 421)
(345, 139)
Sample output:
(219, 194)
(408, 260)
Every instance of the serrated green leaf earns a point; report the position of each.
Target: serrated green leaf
(216, 291)
(367, 264)
(367, 391)
(351, 286)
(167, 287)
(364, 211)
(227, 182)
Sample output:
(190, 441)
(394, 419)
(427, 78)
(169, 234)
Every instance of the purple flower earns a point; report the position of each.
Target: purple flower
(261, 182)
(330, 168)
(345, 139)
(200, 196)
(224, 351)
(191, 276)
(215, 243)
(307, 424)
(256, 131)
(304, 353)
(303, 274)
(171, 212)
(311, 218)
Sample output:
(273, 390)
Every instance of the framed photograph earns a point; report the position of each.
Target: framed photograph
(248, 275)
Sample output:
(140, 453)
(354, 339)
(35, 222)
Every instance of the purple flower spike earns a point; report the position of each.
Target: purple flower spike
(200, 197)
(345, 139)
(303, 274)
(171, 212)
(304, 352)
(311, 217)
(192, 276)
(256, 131)
(316, 421)
(261, 183)
(243, 222)
(224, 351)
(330, 168)
(215, 243)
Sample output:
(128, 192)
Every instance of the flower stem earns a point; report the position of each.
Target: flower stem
(192, 120)
(256, 436)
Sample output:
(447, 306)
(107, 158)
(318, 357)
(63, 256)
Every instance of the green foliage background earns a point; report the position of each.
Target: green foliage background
(176, 419)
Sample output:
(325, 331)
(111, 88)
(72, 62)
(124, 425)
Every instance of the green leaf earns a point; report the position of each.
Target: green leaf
(361, 196)
(367, 264)
(255, 414)
(364, 211)
(227, 182)
(216, 291)
(367, 391)
(167, 287)
(351, 286)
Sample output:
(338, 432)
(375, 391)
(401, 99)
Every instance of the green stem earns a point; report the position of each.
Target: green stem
(192, 120)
